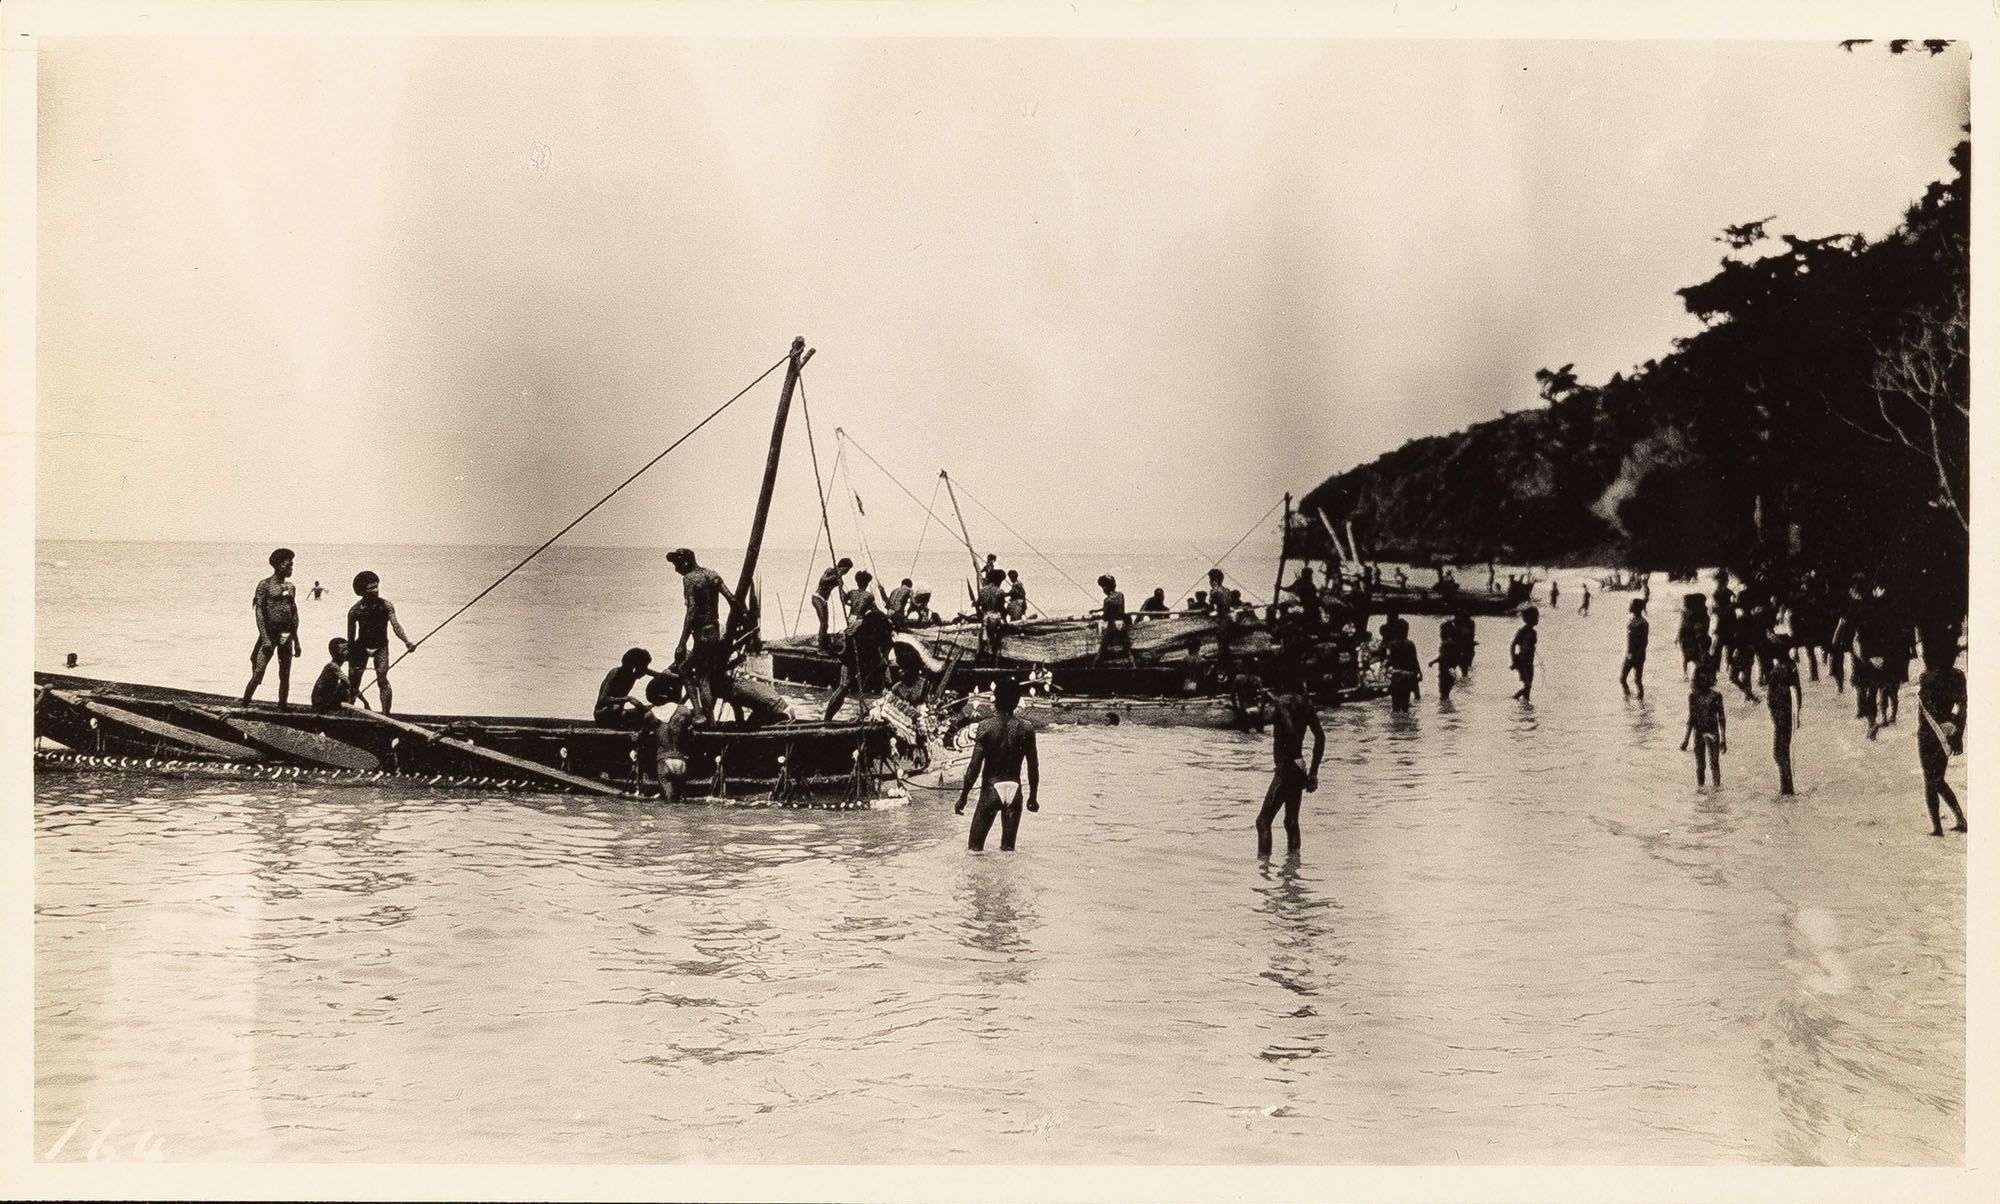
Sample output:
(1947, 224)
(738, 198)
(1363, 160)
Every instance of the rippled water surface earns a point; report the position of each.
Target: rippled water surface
(1516, 934)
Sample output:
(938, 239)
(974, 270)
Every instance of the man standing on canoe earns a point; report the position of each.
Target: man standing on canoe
(899, 603)
(368, 624)
(1114, 636)
(991, 606)
(699, 654)
(1223, 607)
(1003, 744)
(829, 582)
(275, 605)
(1017, 597)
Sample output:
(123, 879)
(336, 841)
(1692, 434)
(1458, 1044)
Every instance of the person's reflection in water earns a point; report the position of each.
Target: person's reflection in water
(1296, 925)
(999, 919)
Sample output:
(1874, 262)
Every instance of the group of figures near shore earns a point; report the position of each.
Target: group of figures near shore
(1758, 634)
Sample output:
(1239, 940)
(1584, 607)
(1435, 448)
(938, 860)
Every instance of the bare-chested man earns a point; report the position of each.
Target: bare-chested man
(1292, 778)
(830, 582)
(275, 604)
(1003, 744)
(699, 655)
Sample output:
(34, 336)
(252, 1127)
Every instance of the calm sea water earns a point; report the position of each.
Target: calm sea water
(1516, 933)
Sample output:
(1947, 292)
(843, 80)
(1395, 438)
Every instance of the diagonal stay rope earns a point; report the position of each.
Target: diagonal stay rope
(860, 533)
(1024, 540)
(550, 541)
(1217, 563)
(926, 528)
(847, 440)
(826, 523)
(812, 445)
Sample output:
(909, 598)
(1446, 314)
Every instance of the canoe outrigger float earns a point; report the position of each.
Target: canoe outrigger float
(123, 727)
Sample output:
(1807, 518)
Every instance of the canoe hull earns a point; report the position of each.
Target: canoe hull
(796, 764)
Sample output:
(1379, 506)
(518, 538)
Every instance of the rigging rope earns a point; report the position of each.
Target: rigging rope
(1248, 597)
(847, 440)
(926, 528)
(689, 434)
(860, 534)
(819, 488)
(1239, 543)
(812, 445)
(1024, 542)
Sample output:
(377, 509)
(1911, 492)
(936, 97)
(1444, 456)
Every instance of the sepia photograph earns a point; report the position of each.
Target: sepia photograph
(1079, 607)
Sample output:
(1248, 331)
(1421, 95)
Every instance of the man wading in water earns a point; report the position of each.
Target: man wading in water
(1002, 744)
(1292, 778)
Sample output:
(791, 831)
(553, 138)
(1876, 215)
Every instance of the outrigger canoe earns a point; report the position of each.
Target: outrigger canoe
(90, 724)
(95, 724)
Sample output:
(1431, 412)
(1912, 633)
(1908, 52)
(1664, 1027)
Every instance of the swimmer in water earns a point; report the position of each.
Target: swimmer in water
(669, 724)
(318, 591)
(275, 605)
(1003, 744)
(1291, 778)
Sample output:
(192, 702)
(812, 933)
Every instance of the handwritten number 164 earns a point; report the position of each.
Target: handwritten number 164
(144, 1148)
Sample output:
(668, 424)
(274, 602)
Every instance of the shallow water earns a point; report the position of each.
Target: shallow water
(1515, 934)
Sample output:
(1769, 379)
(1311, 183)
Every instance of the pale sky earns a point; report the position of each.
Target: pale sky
(327, 290)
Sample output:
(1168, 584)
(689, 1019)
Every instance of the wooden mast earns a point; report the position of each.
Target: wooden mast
(964, 536)
(1284, 534)
(739, 614)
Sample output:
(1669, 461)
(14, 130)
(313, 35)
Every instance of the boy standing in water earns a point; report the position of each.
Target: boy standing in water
(1941, 705)
(1447, 658)
(1465, 642)
(1002, 745)
(1585, 608)
(1707, 726)
(1406, 673)
(275, 605)
(1523, 652)
(368, 623)
(1637, 632)
(1291, 778)
(1787, 702)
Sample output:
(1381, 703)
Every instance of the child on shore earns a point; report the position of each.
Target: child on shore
(1707, 726)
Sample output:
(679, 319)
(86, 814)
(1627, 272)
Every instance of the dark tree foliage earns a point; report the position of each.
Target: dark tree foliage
(1819, 420)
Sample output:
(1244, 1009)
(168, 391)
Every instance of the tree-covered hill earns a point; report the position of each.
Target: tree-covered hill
(1820, 419)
